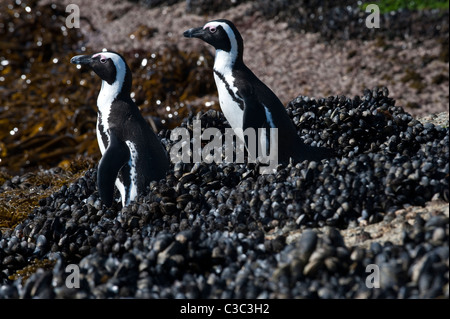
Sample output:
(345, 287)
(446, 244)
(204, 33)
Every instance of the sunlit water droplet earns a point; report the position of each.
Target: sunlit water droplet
(14, 131)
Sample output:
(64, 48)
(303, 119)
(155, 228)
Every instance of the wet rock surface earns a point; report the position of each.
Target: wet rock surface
(223, 230)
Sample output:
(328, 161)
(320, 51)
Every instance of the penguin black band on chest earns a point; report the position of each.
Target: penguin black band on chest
(244, 99)
(235, 99)
(132, 155)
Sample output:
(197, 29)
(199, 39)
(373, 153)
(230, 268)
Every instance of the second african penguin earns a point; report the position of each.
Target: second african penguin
(132, 154)
(244, 99)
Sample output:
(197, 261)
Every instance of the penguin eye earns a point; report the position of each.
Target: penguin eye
(102, 60)
(212, 29)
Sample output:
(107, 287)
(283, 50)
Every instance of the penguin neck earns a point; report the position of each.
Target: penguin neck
(225, 61)
(109, 92)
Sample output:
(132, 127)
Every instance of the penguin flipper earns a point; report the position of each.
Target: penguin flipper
(254, 117)
(116, 155)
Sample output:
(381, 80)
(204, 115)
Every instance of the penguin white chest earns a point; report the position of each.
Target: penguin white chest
(227, 98)
(100, 136)
(104, 103)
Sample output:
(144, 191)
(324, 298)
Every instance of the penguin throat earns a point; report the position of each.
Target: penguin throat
(224, 61)
(108, 93)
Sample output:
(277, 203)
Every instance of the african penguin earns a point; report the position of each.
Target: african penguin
(244, 99)
(132, 154)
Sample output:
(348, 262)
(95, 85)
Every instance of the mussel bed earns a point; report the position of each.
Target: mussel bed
(223, 230)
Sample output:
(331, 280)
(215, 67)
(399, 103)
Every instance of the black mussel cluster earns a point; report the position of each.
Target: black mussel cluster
(385, 155)
(224, 230)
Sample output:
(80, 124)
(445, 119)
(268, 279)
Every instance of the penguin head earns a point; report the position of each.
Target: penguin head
(109, 66)
(221, 34)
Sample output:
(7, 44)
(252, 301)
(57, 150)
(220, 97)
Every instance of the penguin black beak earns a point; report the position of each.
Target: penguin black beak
(81, 59)
(193, 33)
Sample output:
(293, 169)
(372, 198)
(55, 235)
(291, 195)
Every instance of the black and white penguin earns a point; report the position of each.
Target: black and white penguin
(132, 154)
(244, 99)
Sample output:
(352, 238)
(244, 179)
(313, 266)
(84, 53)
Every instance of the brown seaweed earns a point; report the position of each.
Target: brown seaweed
(48, 107)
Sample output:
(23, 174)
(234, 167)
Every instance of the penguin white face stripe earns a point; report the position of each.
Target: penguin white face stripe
(224, 60)
(109, 92)
(231, 104)
(101, 56)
